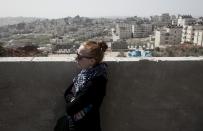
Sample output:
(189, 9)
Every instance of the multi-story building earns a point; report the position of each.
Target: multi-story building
(198, 37)
(168, 36)
(186, 20)
(165, 18)
(173, 17)
(124, 30)
(162, 20)
(188, 33)
(115, 36)
(141, 30)
(155, 18)
(174, 22)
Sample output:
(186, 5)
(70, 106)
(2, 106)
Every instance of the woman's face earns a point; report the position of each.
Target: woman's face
(83, 59)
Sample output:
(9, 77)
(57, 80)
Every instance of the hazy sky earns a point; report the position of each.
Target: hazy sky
(97, 8)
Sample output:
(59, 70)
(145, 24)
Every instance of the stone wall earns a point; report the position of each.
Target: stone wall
(142, 95)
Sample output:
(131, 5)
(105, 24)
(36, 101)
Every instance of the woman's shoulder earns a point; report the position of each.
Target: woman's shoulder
(101, 77)
(99, 80)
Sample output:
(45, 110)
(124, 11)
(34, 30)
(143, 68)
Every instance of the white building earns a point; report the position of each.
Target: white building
(198, 37)
(141, 30)
(124, 30)
(174, 22)
(115, 36)
(188, 33)
(186, 20)
(168, 36)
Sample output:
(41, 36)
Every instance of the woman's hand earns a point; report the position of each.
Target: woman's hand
(79, 115)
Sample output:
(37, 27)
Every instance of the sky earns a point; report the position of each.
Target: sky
(98, 8)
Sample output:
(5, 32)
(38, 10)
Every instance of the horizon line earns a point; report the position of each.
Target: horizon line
(110, 16)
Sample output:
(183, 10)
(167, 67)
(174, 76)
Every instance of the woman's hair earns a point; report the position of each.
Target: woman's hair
(96, 49)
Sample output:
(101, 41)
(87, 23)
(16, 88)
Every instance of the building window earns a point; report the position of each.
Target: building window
(167, 34)
(166, 38)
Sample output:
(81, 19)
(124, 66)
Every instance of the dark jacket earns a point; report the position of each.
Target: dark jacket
(91, 95)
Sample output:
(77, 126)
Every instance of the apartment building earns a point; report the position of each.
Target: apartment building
(188, 33)
(124, 30)
(168, 36)
(162, 20)
(165, 18)
(198, 37)
(186, 20)
(174, 22)
(141, 30)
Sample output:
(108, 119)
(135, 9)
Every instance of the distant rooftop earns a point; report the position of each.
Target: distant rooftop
(186, 16)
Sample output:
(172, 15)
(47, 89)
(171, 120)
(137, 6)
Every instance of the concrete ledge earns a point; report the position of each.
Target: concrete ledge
(117, 59)
(143, 94)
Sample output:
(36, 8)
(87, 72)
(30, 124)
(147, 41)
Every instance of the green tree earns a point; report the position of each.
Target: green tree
(2, 50)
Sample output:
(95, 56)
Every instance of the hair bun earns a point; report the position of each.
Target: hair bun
(102, 45)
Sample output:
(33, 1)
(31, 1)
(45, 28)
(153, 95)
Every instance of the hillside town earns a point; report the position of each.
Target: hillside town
(162, 35)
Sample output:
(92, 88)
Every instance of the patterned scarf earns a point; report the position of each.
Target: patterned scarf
(86, 75)
(80, 82)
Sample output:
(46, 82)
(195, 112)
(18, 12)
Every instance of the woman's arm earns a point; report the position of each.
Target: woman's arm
(68, 91)
(92, 94)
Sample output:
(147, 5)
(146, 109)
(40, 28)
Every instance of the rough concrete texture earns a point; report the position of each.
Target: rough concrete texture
(141, 95)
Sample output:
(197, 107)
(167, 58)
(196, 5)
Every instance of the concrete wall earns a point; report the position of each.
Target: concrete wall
(156, 95)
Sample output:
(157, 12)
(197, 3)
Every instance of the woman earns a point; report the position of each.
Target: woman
(84, 96)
